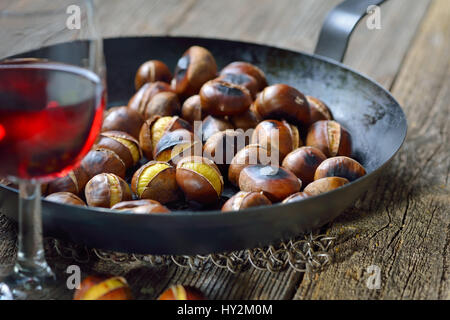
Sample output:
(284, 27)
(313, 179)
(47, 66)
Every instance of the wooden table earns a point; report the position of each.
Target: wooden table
(402, 224)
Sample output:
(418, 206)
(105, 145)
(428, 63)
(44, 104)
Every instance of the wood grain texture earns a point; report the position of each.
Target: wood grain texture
(402, 225)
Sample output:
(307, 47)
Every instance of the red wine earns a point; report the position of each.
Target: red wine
(50, 115)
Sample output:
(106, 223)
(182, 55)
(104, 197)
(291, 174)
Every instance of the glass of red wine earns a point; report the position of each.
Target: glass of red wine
(51, 106)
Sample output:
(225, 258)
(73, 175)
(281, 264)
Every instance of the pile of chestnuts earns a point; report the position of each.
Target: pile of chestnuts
(203, 138)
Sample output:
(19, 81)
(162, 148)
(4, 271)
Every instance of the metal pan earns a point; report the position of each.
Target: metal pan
(371, 114)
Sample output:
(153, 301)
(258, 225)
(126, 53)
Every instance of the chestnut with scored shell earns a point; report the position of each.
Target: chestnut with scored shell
(192, 109)
(141, 206)
(324, 185)
(155, 180)
(220, 98)
(241, 79)
(199, 179)
(343, 167)
(212, 125)
(275, 182)
(244, 199)
(151, 71)
(162, 104)
(123, 144)
(123, 119)
(195, 67)
(145, 94)
(303, 162)
(101, 160)
(66, 198)
(180, 292)
(251, 154)
(73, 182)
(103, 287)
(105, 190)
(239, 67)
(330, 137)
(175, 145)
(298, 196)
(277, 135)
(281, 101)
(318, 109)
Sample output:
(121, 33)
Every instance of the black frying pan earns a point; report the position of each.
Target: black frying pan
(373, 117)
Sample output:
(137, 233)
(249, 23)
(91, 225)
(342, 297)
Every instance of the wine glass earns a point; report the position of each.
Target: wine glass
(52, 96)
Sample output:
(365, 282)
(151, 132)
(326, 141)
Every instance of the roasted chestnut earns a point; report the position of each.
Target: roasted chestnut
(330, 137)
(303, 162)
(239, 67)
(140, 206)
(180, 292)
(103, 161)
(324, 185)
(222, 146)
(343, 167)
(318, 109)
(275, 182)
(243, 200)
(251, 154)
(142, 97)
(278, 136)
(199, 179)
(192, 109)
(195, 67)
(247, 120)
(281, 101)
(213, 125)
(66, 198)
(123, 119)
(220, 98)
(175, 145)
(73, 182)
(162, 104)
(241, 79)
(105, 190)
(155, 180)
(123, 144)
(151, 71)
(103, 287)
(298, 196)
(154, 128)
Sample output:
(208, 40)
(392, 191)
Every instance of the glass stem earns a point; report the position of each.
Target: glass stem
(31, 256)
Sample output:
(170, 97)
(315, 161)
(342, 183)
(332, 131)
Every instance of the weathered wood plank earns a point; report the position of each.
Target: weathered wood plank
(403, 224)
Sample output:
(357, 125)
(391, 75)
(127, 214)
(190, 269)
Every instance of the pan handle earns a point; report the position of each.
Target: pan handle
(339, 25)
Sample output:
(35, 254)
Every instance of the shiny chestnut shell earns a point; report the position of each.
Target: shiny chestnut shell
(194, 68)
(192, 109)
(275, 182)
(121, 143)
(324, 185)
(247, 120)
(65, 198)
(103, 161)
(99, 190)
(221, 98)
(73, 182)
(162, 104)
(298, 196)
(177, 144)
(145, 206)
(243, 200)
(123, 119)
(330, 137)
(103, 287)
(343, 167)
(281, 101)
(239, 67)
(180, 292)
(151, 71)
(303, 162)
(162, 186)
(318, 110)
(212, 125)
(251, 154)
(145, 94)
(241, 79)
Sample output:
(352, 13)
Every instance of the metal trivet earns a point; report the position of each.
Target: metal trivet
(309, 253)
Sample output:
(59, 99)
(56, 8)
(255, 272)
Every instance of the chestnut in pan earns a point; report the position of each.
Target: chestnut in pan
(343, 167)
